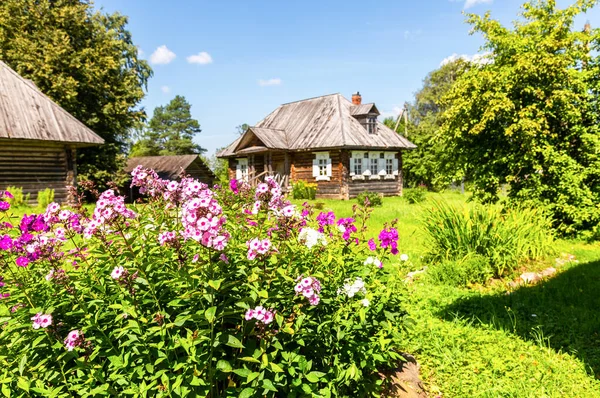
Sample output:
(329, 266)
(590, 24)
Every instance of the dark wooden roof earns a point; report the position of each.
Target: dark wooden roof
(364, 109)
(318, 123)
(27, 114)
(168, 167)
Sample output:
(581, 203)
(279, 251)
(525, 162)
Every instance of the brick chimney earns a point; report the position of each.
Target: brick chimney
(356, 98)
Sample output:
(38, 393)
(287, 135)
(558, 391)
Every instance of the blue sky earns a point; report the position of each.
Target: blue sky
(236, 61)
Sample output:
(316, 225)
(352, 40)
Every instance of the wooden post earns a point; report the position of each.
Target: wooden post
(344, 175)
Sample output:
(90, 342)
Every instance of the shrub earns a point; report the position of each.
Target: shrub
(319, 205)
(304, 190)
(414, 195)
(505, 236)
(198, 292)
(45, 197)
(370, 199)
(470, 269)
(18, 199)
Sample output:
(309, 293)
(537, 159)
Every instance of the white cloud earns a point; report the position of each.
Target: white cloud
(201, 58)
(472, 3)
(396, 109)
(140, 52)
(480, 59)
(162, 55)
(165, 89)
(271, 82)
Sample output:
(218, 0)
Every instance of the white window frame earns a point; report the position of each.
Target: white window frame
(395, 172)
(374, 164)
(322, 169)
(357, 159)
(241, 169)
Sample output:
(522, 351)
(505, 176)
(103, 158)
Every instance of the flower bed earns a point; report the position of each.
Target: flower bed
(201, 292)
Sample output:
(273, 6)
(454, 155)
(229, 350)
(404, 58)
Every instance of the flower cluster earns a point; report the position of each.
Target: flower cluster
(167, 237)
(260, 314)
(69, 220)
(108, 208)
(389, 238)
(325, 219)
(41, 320)
(203, 221)
(258, 247)
(346, 227)
(374, 261)
(124, 278)
(148, 181)
(268, 194)
(4, 205)
(351, 289)
(311, 237)
(309, 287)
(74, 339)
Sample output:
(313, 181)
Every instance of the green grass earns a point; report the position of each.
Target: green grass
(538, 341)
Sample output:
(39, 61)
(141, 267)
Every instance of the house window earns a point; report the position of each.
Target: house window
(374, 166)
(389, 167)
(241, 170)
(322, 166)
(372, 125)
(358, 166)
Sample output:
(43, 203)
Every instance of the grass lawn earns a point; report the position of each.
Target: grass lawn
(538, 341)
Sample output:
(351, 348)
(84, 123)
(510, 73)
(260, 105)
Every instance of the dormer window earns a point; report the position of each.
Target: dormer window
(371, 125)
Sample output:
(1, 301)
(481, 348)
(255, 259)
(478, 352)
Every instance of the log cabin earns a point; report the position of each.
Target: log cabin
(38, 139)
(337, 144)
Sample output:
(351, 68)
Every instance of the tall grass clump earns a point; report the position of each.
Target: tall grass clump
(504, 236)
(45, 197)
(18, 199)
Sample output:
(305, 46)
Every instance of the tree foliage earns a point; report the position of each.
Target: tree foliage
(425, 164)
(84, 60)
(528, 118)
(170, 131)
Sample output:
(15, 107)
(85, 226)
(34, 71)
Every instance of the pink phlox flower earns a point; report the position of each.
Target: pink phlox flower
(41, 320)
(261, 314)
(117, 272)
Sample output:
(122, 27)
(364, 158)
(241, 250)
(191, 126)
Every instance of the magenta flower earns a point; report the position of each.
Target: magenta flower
(22, 261)
(233, 185)
(261, 314)
(372, 245)
(74, 339)
(309, 287)
(4, 206)
(41, 320)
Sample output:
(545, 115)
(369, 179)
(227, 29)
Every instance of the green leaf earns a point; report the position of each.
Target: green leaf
(232, 341)
(314, 376)
(252, 376)
(210, 314)
(268, 384)
(6, 390)
(247, 392)
(216, 284)
(224, 366)
(23, 384)
(250, 359)
(22, 364)
(275, 368)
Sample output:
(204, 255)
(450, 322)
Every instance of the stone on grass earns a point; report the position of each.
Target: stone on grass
(531, 277)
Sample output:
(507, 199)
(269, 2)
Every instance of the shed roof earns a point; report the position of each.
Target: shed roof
(318, 123)
(167, 167)
(26, 113)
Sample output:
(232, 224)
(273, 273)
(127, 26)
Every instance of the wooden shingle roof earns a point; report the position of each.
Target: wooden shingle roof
(27, 114)
(319, 123)
(167, 167)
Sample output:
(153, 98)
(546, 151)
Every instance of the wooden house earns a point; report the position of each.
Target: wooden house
(38, 139)
(172, 167)
(337, 144)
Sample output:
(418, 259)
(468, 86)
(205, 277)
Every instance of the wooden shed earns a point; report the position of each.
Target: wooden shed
(38, 139)
(337, 144)
(171, 167)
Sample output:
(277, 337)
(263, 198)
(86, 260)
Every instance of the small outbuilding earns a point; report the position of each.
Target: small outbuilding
(335, 143)
(38, 139)
(172, 167)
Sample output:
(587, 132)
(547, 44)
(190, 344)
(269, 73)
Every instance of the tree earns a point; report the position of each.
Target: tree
(528, 118)
(85, 61)
(241, 129)
(170, 131)
(425, 164)
(218, 166)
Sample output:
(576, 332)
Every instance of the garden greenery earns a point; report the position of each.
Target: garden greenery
(18, 197)
(369, 199)
(415, 195)
(506, 237)
(45, 197)
(304, 190)
(199, 292)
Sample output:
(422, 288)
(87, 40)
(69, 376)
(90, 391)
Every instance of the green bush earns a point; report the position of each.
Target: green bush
(198, 293)
(304, 190)
(505, 236)
(414, 195)
(369, 199)
(19, 199)
(469, 270)
(45, 197)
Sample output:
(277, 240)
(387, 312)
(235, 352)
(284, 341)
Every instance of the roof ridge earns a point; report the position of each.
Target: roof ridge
(32, 86)
(308, 99)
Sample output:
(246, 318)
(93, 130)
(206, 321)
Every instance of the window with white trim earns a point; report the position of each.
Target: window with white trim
(358, 166)
(389, 167)
(322, 166)
(371, 125)
(241, 169)
(374, 166)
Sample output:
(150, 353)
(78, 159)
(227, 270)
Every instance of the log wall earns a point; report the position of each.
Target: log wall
(387, 187)
(35, 166)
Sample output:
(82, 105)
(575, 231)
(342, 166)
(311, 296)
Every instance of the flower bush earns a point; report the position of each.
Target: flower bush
(199, 292)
